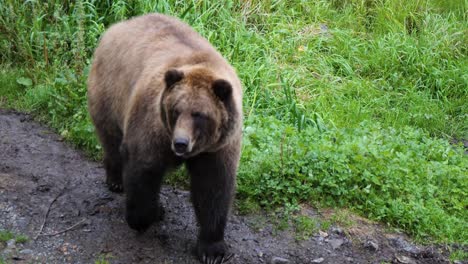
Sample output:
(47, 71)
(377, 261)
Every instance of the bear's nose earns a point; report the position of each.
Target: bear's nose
(180, 145)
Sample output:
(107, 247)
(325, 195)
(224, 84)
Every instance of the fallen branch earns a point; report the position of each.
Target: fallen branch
(47, 213)
(65, 230)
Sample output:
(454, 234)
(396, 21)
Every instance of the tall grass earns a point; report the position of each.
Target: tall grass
(347, 103)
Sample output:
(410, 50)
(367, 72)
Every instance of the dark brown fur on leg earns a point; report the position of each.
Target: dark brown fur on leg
(112, 158)
(212, 186)
(142, 184)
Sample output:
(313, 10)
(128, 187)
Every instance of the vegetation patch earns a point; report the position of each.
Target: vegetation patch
(6, 235)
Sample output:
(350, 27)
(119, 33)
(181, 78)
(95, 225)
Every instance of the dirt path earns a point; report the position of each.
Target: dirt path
(37, 168)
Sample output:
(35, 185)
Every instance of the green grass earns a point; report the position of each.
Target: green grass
(6, 235)
(459, 255)
(21, 239)
(305, 227)
(103, 259)
(347, 103)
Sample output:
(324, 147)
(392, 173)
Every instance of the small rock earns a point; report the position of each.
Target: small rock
(337, 230)
(323, 28)
(318, 260)
(11, 243)
(43, 188)
(278, 260)
(26, 251)
(259, 253)
(405, 260)
(402, 245)
(323, 234)
(7, 252)
(336, 243)
(372, 245)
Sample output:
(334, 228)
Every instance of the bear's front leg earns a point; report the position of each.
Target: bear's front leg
(142, 183)
(212, 188)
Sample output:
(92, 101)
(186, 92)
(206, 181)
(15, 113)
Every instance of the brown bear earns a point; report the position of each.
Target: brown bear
(159, 96)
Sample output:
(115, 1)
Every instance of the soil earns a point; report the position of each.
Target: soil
(57, 197)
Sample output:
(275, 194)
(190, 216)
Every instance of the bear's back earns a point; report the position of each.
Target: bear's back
(135, 54)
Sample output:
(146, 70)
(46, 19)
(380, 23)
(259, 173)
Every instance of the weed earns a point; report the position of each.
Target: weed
(342, 218)
(459, 255)
(6, 235)
(21, 239)
(104, 259)
(325, 225)
(305, 227)
(11, 89)
(101, 260)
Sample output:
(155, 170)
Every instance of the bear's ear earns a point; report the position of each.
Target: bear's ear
(172, 76)
(222, 89)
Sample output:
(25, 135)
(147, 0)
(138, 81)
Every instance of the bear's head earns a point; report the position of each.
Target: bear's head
(198, 110)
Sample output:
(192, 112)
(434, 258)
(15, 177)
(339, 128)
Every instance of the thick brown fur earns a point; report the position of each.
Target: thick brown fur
(160, 95)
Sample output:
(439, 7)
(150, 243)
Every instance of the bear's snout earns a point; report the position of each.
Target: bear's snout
(180, 146)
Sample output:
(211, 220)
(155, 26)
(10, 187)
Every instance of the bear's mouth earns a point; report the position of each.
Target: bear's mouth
(180, 154)
(184, 155)
(182, 148)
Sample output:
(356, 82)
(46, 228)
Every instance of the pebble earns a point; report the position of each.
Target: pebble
(336, 242)
(278, 260)
(319, 239)
(323, 234)
(11, 243)
(26, 251)
(402, 244)
(405, 260)
(318, 260)
(372, 245)
(259, 253)
(7, 252)
(337, 230)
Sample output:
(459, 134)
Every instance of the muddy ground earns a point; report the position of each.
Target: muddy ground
(46, 184)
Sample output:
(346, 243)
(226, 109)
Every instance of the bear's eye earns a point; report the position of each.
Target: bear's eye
(198, 115)
(176, 113)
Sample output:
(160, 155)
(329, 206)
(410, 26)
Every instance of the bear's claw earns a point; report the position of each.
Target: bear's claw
(217, 260)
(212, 253)
(115, 187)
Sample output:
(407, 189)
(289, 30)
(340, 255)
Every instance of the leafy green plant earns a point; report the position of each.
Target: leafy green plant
(390, 175)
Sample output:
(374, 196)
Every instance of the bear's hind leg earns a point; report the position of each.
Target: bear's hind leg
(212, 189)
(112, 159)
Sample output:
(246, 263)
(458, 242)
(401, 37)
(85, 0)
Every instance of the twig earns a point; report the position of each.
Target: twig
(65, 230)
(47, 213)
